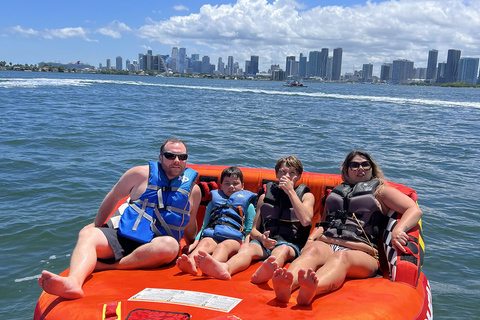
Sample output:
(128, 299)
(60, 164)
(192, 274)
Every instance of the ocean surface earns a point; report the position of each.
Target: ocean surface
(65, 139)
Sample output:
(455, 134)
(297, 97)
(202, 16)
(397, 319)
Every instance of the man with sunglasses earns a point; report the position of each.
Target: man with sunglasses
(150, 228)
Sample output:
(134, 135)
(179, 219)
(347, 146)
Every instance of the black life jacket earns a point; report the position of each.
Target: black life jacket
(278, 215)
(354, 214)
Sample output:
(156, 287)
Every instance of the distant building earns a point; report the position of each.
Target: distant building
(229, 70)
(323, 63)
(118, 63)
(206, 65)
(402, 70)
(386, 72)
(367, 72)
(278, 74)
(328, 76)
(289, 66)
(468, 70)
(181, 60)
(172, 63)
(432, 65)
(420, 73)
(442, 66)
(453, 62)
(314, 64)
(140, 60)
(337, 64)
(254, 65)
(302, 66)
(220, 66)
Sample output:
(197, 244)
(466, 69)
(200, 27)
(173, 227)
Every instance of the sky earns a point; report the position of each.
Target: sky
(375, 32)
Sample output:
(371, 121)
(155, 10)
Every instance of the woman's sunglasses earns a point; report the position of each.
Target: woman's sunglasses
(366, 165)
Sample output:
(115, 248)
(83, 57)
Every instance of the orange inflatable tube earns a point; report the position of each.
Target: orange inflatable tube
(167, 293)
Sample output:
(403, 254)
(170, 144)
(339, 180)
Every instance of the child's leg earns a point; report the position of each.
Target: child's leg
(279, 256)
(226, 249)
(240, 261)
(187, 263)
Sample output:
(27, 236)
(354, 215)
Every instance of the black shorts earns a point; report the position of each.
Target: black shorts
(121, 246)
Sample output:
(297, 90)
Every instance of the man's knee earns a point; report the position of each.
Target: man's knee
(89, 233)
(166, 245)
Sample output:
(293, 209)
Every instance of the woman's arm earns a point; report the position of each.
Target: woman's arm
(393, 199)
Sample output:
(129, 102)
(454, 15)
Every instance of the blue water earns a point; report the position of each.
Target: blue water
(65, 139)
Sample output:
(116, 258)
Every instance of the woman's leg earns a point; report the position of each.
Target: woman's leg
(313, 255)
(338, 267)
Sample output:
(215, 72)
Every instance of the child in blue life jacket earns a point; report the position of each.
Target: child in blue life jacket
(228, 220)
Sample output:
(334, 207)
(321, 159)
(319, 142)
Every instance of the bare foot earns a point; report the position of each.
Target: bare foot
(308, 286)
(186, 264)
(60, 286)
(265, 271)
(212, 267)
(282, 284)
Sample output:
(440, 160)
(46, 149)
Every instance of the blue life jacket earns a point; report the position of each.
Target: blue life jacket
(278, 215)
(346, 200)
(226, 217)
(163, 209)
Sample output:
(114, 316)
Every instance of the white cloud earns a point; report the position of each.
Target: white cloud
(370, 33)
(114, 29)
(180, 8)
(24, 32)
(66, 33)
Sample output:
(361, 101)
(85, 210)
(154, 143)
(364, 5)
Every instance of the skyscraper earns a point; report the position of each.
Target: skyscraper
(140, 61)
(453, 61)
(181, 60)
(220, 66)
(432, 65)
(386, 72)
(254, 64)
(323, 63)
(302, 66)
(337, 64)
(172, 64)
(367, 72)
(313, 63)
(206, 64)
(468, 70)
(118, 63)
(442, 66)
(289, 66)
(402, 70)
(230, 66)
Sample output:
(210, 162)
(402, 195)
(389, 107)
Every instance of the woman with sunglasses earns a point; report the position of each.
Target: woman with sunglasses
(344, 244)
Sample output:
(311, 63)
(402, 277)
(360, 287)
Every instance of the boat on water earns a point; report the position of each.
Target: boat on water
(294, 83)
(402, 291)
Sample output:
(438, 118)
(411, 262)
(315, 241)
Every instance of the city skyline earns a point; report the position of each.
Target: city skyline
(373, 32)
(320, 64)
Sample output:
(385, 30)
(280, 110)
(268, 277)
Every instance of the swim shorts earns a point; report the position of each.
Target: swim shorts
(121, 246)
(337, 247)
(279, 243)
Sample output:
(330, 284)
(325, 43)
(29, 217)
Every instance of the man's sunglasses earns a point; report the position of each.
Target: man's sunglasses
(172, 156)
(366, 165)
